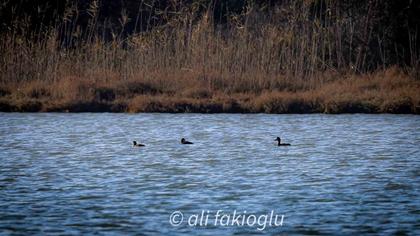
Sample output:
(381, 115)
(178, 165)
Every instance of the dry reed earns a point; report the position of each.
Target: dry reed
(280, 62)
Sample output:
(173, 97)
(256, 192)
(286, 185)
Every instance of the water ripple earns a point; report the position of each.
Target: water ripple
(78, 174)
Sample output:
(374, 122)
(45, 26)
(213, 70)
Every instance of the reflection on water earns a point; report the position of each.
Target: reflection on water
(78, 173)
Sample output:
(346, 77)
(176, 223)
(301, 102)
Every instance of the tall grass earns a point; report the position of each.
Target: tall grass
(252, 63)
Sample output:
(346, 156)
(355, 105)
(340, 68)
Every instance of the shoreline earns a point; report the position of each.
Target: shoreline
(389, 91)
(259, 61)
(208, 107)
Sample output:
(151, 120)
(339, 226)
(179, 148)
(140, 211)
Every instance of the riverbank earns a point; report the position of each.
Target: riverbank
(389, 91)
(261, 61)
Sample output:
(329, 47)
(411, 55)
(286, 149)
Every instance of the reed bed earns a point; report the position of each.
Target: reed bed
(280, 61)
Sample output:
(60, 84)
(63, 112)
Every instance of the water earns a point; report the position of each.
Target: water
(78, 173)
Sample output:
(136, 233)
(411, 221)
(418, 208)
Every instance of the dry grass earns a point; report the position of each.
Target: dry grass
(276, 63)
(391, 91)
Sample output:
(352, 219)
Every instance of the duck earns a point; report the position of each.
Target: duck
(183, 141)
(135, 144)
(278, 139)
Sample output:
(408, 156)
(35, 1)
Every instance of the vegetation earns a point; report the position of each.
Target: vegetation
(211, 56)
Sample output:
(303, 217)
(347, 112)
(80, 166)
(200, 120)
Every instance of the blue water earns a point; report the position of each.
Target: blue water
(72, 174)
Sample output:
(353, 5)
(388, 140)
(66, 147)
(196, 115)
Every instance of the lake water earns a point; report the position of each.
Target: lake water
(79, 174)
